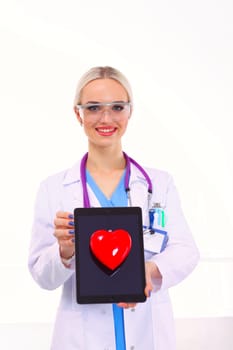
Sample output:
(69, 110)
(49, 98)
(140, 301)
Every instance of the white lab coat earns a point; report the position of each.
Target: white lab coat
(150, 325)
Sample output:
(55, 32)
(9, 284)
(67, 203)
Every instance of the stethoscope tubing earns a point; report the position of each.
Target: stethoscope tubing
(129, 160)
(140, 168)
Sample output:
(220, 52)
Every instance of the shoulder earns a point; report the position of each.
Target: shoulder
(161, 177)
(63, 177)
(158, 175)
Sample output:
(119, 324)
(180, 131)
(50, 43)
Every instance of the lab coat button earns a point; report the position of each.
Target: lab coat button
(132, 310)
(132, 347)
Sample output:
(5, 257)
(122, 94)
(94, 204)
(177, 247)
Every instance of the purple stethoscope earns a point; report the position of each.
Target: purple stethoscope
(129, 160)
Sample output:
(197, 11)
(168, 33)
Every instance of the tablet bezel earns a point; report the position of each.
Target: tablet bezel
(110, 298)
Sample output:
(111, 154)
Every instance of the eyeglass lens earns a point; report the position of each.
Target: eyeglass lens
(116, 109)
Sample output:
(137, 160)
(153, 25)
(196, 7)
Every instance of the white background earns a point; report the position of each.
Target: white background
(178, 56)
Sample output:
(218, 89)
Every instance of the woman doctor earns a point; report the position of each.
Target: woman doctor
(103, 106)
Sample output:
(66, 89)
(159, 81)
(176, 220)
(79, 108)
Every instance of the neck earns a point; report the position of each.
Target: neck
(106, 159)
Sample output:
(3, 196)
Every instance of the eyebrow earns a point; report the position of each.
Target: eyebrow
(98, 102)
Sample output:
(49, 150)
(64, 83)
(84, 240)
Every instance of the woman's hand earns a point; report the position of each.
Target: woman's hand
(127, 305)
(64, 232)
(151, 271)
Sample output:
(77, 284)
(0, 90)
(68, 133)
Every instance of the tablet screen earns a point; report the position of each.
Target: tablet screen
(109, 255)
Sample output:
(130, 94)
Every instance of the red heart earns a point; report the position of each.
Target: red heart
(111, 248)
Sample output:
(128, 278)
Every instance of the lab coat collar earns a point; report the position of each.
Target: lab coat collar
(73, 174)
(135, 175)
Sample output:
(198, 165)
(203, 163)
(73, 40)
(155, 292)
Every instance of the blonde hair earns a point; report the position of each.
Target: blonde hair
(102, 73)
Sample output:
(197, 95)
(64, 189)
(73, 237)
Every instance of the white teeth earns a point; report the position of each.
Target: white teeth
(106, 130)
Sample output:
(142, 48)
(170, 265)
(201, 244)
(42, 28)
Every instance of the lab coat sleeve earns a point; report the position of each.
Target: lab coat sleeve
(44, 262)
(181, 254)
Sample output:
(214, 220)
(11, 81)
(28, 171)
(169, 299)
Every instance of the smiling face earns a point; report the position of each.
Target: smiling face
(105, 125)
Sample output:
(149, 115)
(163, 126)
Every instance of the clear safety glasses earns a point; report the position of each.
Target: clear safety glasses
(96, 110)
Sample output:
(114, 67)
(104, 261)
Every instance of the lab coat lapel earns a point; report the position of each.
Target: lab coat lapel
(139, 192)
(73, 192)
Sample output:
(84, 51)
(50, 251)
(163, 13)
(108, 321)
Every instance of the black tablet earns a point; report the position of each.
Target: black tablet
(109, 255)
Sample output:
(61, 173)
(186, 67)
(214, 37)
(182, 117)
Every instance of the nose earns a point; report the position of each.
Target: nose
(106, 113)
